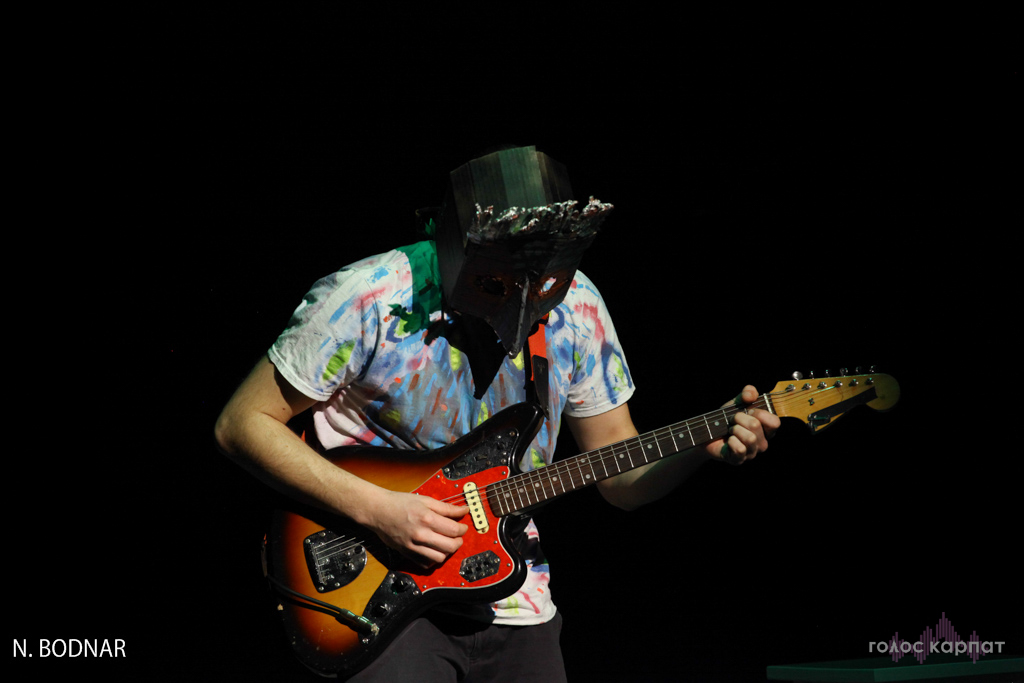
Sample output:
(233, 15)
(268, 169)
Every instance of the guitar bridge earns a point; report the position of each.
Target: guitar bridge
(333, 560)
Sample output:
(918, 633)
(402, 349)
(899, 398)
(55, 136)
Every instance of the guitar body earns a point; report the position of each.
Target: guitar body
(332, 560)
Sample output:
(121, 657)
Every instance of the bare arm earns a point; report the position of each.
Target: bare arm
(651, 482)
(253, 431)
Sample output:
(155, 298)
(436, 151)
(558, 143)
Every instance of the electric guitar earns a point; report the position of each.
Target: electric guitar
(344, 595)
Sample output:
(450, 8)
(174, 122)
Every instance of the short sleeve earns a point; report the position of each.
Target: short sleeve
(331, 337)
(600, 380)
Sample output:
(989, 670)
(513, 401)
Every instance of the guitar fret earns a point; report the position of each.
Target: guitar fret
(724, 429)
(525, 491)
(579, 466)
(528, 488)
(555, 479)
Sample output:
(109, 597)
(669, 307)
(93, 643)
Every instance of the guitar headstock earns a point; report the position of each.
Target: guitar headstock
(818, 402)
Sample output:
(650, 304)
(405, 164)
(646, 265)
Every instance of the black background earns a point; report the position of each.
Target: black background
(781, 205)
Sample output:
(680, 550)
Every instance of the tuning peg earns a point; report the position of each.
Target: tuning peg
(842, 372)
(797, 375)
(812, 375)
(828, 373)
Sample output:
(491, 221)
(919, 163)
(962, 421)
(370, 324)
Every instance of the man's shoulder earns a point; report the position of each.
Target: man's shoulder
(380, 264)
(389, 268)
(583, 292)
(584, 284)
(403, 282)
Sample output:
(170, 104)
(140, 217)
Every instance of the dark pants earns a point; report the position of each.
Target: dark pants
(442, 649)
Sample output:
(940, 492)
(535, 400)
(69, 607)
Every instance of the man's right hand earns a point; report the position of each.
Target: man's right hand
(421, 528)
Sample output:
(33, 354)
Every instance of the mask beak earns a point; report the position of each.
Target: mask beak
(520, 336)
(513, 327)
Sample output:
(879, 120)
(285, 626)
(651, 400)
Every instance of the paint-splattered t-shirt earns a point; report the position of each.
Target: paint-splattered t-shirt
(357, 344)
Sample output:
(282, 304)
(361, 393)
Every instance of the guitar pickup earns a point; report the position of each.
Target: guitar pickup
(480, 566)
(476, 507)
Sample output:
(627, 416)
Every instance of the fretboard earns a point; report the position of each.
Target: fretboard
(532, 488)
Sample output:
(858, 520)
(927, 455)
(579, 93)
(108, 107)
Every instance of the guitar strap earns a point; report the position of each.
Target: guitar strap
(537, 368)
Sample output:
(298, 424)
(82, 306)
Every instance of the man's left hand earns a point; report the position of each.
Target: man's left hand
(749, 433)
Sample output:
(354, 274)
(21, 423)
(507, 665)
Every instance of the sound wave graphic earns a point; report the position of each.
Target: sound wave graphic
(943, 631)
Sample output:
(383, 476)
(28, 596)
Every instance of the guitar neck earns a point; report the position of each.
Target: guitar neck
(532, 488)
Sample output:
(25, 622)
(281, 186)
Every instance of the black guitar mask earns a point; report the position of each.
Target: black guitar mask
(509, 242)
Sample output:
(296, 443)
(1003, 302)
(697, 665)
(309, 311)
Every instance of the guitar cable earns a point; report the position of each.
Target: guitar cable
(350, 619)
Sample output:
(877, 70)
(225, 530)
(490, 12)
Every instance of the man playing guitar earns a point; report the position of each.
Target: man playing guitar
(413, 349)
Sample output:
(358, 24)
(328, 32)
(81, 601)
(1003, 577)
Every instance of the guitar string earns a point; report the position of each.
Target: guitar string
(614, 452)
(781, 399)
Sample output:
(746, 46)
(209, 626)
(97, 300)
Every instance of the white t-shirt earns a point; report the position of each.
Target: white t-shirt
(358, 344)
